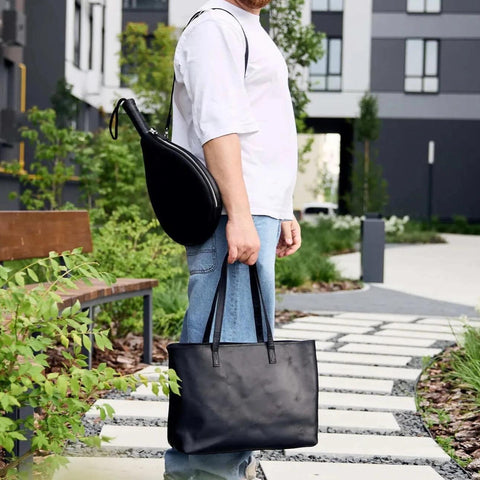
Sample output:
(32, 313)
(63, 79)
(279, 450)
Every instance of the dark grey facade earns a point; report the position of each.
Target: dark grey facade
(449, 116)
(12, 92)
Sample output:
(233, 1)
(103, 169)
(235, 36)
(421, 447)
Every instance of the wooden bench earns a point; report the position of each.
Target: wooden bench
(33, 234)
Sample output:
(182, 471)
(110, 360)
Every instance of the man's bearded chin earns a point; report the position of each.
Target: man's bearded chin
(255, 3)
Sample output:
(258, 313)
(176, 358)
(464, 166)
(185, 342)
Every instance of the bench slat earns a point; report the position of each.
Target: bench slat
(34, 234)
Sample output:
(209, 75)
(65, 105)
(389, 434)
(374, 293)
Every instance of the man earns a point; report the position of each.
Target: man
(240, 120)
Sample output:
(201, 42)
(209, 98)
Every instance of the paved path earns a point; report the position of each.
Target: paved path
(439, 280)
(368, 364)
(444, 272)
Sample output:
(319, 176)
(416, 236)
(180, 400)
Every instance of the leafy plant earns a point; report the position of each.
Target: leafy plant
(54, 147)
(32, 325)
(301, 46)
(112, 174)
(311, 262)
(131, 246)
(369, 188)
(147, 61)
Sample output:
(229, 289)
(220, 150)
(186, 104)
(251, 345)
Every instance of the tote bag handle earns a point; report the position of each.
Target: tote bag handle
(215, 318)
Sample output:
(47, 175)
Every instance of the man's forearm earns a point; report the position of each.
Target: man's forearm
(224, 160)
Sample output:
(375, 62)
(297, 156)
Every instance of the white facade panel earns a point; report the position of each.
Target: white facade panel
(357, 30)
(334, 104)
(91, 85)
(180, 11)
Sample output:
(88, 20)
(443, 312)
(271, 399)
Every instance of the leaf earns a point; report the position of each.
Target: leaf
(32, 275)
(48, 388)
(19, 278)
(87, 343)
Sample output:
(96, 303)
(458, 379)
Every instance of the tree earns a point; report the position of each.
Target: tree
(301, 46)
(65, 104)
(147, 61)
(369, 188)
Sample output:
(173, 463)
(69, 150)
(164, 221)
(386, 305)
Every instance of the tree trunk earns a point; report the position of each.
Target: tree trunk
(366, 170)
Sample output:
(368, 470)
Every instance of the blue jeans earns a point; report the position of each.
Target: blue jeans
(204, 264)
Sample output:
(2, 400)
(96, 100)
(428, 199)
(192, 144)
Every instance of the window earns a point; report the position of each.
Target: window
(146, 4)
(424, 6)
(421, 66)
(327, 5)
(326, 73)
(76, 34)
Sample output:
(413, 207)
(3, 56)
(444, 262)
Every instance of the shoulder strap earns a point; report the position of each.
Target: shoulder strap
(196, 15)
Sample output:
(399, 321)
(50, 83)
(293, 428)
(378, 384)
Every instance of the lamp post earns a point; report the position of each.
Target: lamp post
(431, 161)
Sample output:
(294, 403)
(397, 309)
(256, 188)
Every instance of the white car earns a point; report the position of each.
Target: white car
(310, 211)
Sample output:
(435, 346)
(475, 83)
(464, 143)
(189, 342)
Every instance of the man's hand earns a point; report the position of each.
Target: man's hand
(290, 238)
(243, 240)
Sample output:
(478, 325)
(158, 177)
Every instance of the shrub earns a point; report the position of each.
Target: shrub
(31, 327)
(130, 246)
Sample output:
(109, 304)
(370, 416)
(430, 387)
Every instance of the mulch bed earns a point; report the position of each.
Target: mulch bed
(451, 411)
(325, 287)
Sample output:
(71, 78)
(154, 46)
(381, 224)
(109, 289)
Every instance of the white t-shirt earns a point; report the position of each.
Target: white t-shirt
(213, 97)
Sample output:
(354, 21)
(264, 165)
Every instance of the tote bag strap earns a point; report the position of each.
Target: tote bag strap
(196, 15)
(215, 319)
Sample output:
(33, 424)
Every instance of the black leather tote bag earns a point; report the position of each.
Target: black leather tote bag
(243, 396)
(183, 193)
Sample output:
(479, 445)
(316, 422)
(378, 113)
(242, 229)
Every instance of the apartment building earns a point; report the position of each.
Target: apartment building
(420, 58)
(12, 88)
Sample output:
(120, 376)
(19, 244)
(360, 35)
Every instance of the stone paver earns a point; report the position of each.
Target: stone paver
(364, 401)
(410, 334)
(145, 392)
(383, 317)
(346, 471)
(108, 468)
(135, 437)
(283, 333)
(353, 420)
(346, 445)
(365, 359)
(311, 327)
(132, 409)
(411, 342)
(389, 349)
(338, 321)
(448, 321)
(347, 369)
(355, 384)
(420, 327)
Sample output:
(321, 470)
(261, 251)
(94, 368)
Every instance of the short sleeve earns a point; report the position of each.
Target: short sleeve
(210, 61)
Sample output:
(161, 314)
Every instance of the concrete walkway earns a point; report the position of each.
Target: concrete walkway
(441, 279)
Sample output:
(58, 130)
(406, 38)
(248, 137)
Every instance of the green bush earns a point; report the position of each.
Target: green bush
(130, 246)
(32, 326)
(459, 224)
(311, 262)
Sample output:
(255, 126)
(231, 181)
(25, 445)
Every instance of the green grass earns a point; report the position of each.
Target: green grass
(311, 262)
(466, 362)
